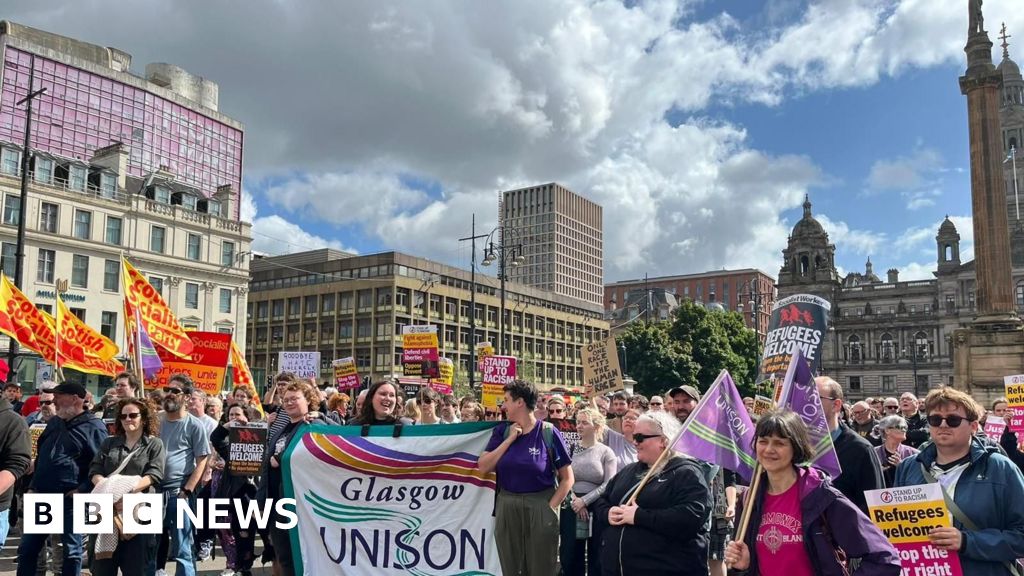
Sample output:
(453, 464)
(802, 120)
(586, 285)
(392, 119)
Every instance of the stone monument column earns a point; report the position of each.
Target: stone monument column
(980, 83)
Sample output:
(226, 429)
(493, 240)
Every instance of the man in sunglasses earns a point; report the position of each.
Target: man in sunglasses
(917, 425)
(860, 467)
(556, 408)
(986, 487)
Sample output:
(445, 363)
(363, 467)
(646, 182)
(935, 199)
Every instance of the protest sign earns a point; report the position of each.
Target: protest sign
(443, 383)
(302, 364)
(762, 404)
(246, 444)
(419, 351)
(345, 375)
(210, 353)
(906, 516)
(994, 427)
(1015, 401)
(378, 505)
(34, 432)
(567, 427)
(798, 322)
(483, 350)
(497, 371)
(601, 372)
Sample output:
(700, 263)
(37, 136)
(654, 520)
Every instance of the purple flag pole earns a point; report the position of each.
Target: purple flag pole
(800, 394)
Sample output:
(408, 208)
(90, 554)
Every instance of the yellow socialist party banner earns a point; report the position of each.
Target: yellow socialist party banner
(34, 329)
(78, 333)
(241, 376)
(158, 320)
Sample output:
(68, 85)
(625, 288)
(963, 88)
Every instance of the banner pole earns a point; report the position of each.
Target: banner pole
(137, 356)
(56, 336)
(685, 426)
(748, 504)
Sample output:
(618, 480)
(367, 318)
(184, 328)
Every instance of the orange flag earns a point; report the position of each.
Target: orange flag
(158, 320)
(241, 376)
(78, 333)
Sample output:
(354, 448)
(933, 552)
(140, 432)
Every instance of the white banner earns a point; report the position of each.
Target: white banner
(302, 364)
(381, 505)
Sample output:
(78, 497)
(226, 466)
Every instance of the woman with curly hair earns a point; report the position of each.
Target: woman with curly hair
(132, 460)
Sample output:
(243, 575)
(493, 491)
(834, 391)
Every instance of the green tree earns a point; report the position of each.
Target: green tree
(716, 340)
(655, 360)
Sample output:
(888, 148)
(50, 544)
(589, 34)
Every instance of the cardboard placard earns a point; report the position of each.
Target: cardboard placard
(208, 364)
(246, 445)
(443, 383)
(302, 364)
(601, 373)
(419, 351)
(906, 515)
(497, 372)
(34, 432)
(1015, 400)
(762, 404)
(346, 376)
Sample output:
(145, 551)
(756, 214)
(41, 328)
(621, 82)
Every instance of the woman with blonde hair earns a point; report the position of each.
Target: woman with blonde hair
(593, 465)
(412, 411)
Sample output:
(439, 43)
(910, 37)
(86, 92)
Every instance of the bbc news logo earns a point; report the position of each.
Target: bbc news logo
(144, 513)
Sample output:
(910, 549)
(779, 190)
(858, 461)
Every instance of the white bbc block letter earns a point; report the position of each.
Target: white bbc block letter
(143, 513)
(93, 514)
(44, 513)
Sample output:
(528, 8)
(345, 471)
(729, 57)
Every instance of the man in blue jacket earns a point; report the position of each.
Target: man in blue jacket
(64, 452)
(986, 487)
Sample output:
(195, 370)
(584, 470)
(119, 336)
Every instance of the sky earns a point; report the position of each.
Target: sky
(699, 126)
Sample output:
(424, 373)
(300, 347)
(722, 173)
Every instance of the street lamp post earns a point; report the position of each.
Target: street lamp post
(507, 255)
(473, 236)
(19, 260)
(913, 363)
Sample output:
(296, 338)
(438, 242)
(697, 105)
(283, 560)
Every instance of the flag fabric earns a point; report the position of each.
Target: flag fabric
(241, 376)
(800, 394)
(151, 363)
(155, 316)
(78, 333)
(719, 430)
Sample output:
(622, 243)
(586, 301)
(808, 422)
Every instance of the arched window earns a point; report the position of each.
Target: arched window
(947, 253)
(1020, 294)
(805, 265)
(855, 351)
(922, 345)
(888, 349)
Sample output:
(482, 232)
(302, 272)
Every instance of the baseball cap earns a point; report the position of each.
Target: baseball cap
(685, 389)
(71, 388)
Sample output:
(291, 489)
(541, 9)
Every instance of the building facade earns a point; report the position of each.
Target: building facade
(144, 167)
(562, 237)
(749, 291)
(886, 336)
(355, 306)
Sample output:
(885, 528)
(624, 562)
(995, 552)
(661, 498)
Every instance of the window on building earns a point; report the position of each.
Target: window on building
(277, 309)
(77, 176)
(310, 304)
(191, 296)
(157, 283)
(48, 215)
(1020, 294)
(327, 303)
(225, 300)
(262, 308)
(80, 271)
(43, 170)
(48, 308)
(888, 383)
(12, 209)
(83, 225)
(227, 253)
(79, 312)
(213, 207)
(111, 271)
(194, 247)
(157, 238)
(188, 201)
(113, 235)
(294, 306)
(108, 325)
(108, 185)
(9, 258)
(162, 194)
(45, 265)
(10, 160)
(887, 348)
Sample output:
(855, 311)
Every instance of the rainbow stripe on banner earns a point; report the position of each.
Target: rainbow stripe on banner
(361, 455)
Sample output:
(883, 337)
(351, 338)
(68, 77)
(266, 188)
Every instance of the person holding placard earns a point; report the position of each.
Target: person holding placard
(799, 524)
(622, 444)
(238, 544)
(983, 489)
(665, 530)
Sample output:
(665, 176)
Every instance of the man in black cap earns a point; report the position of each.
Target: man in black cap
(684, 400)
(65, 450)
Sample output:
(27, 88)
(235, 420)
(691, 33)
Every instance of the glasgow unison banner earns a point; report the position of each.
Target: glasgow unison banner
(373, 505)
(799, 322)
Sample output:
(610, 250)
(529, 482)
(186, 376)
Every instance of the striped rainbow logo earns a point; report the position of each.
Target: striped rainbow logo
(360, 455)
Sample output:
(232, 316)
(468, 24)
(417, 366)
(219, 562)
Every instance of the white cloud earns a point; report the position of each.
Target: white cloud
(863, 242)
(274, 235)
(917, 177)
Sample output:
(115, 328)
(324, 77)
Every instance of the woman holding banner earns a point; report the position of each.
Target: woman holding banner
(534, 477)
(799, 524)
(132, 460)
(664, 530)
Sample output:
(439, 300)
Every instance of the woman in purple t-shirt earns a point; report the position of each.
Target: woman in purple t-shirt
(534, 477)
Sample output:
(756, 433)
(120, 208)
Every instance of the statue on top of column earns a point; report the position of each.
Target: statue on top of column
(977, 19)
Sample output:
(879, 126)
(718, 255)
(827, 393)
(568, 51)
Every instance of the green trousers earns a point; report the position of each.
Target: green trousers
(526, 533)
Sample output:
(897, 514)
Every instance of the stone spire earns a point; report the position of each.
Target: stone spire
(807, 206)
(1006, 45)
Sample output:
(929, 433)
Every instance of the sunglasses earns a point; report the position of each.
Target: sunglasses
(638, 437)
(131, 416)
(892, 407)
(655, 403)
(555, 411)
(858, 412)
(426, 401)
(953, 420)
(45, 402)
(172, 391)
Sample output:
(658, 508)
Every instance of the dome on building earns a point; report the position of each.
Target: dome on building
(947, 228)
(808, 226)
(1009, 69)
(714, 307)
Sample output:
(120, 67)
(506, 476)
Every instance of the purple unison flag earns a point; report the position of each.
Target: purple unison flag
(719, 430)
(151, 363)
(800, 394)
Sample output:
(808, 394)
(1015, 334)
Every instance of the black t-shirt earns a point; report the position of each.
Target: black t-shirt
(274, 474)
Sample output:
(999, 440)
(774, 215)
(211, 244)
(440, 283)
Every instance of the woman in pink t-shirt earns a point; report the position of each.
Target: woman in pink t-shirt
(796, 512)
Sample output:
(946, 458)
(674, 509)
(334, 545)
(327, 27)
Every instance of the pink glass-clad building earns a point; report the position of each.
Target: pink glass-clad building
(166, 120)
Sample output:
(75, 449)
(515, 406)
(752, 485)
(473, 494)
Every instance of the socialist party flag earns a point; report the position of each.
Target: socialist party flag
(719, 430)
(800, 394)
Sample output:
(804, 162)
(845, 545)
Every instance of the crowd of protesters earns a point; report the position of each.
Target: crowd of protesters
(580, 509)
